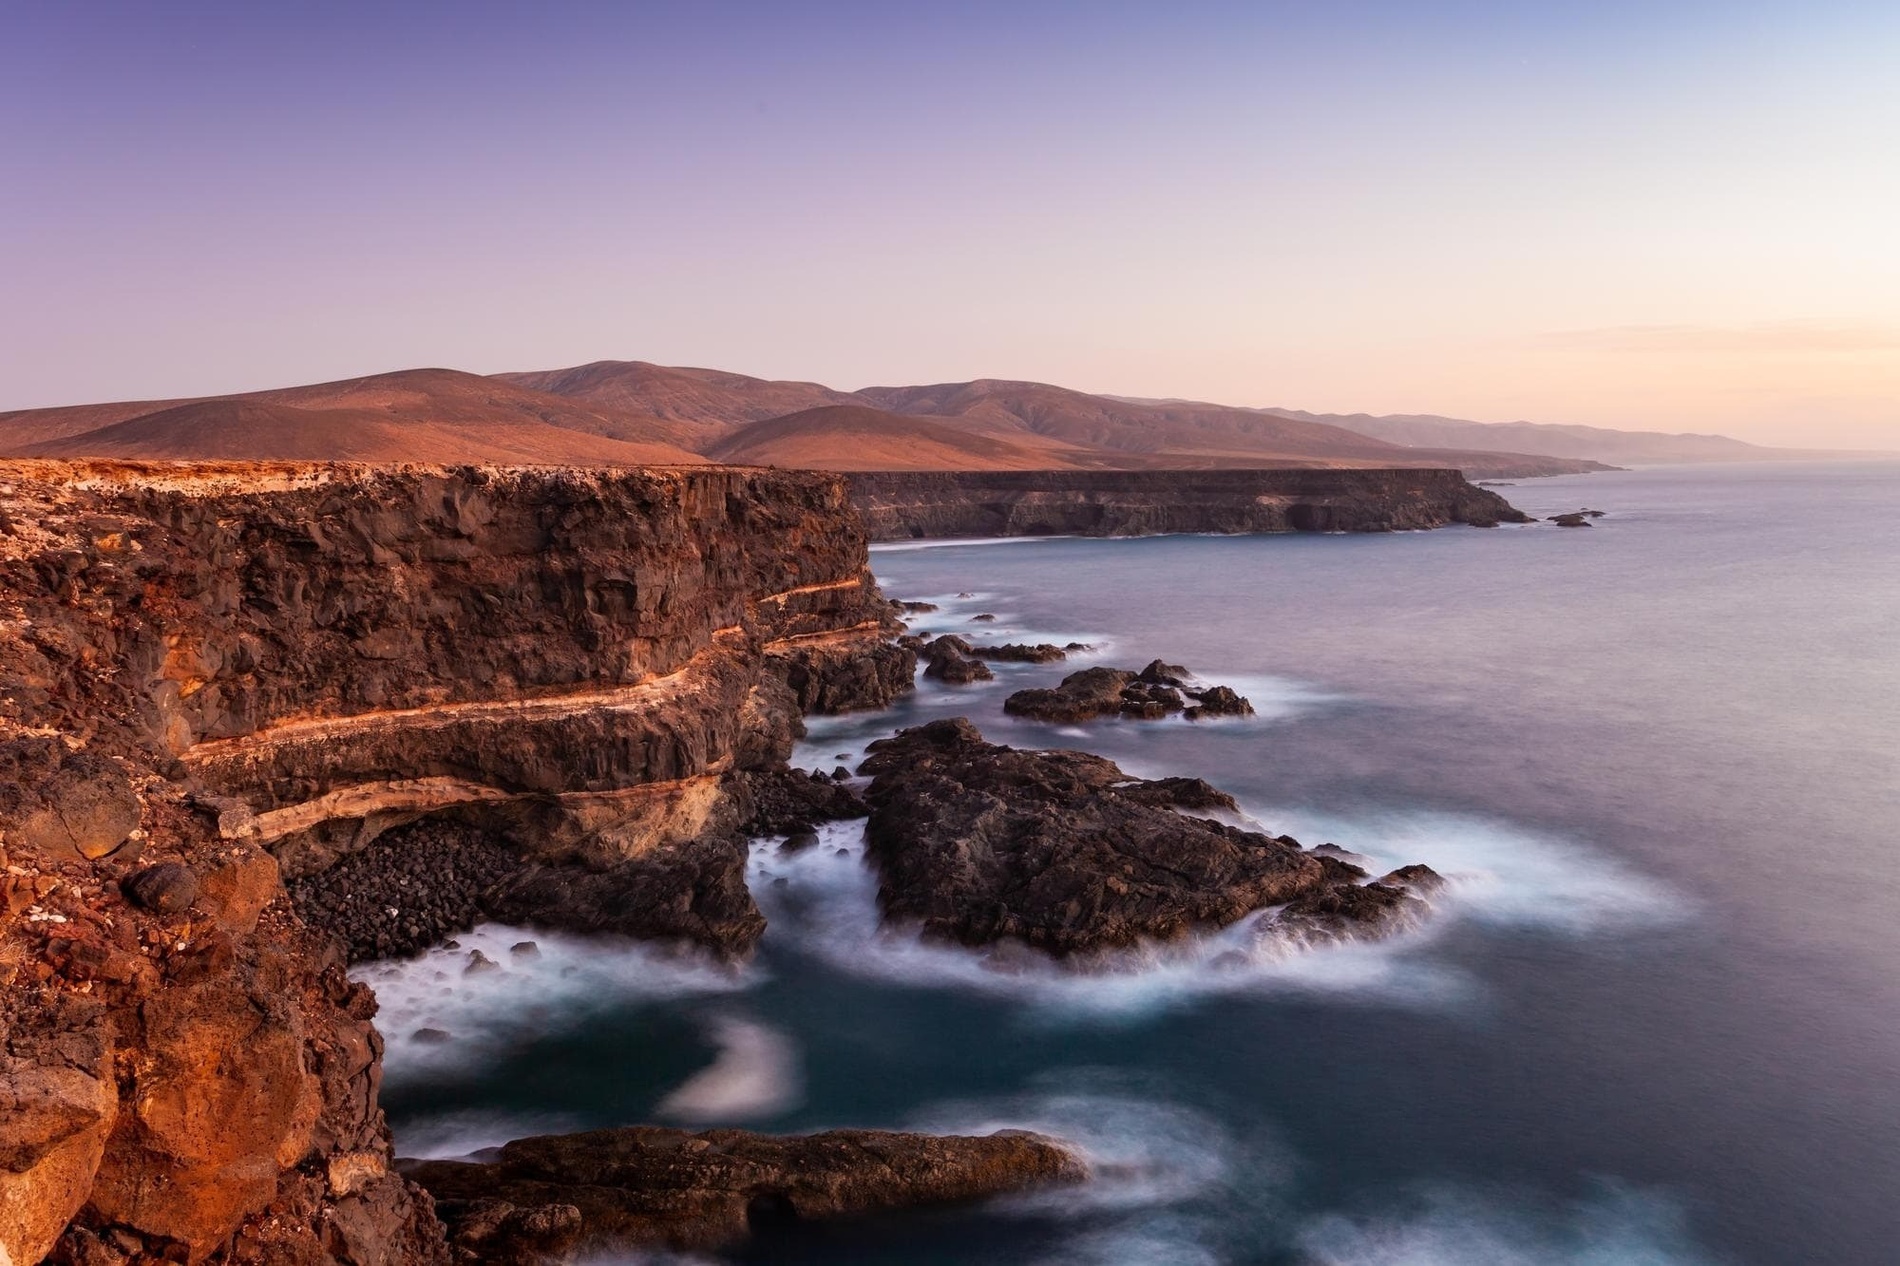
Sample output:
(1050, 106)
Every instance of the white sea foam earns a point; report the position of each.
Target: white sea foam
(466, 1017)
(1157, 1170)
(453, 1135)
(955, 542)
(1616, 1227)
(1141, 1153)
(756, 1074)
(827, 907)
(1499, 874)
(1503, 874)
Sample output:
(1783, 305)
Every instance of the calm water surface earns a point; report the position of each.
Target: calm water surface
(1658, 1020)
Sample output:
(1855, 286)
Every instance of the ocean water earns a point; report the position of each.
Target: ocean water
(1657, 1020)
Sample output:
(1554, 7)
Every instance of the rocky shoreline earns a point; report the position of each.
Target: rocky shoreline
(258, 723)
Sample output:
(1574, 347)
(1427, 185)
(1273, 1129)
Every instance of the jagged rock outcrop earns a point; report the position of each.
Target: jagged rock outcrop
(216, 678)
(543, 1199)
(897, 505)
(1148, 695)
(1061, 851)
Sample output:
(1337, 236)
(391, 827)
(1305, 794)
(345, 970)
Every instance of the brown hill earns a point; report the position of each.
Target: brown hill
(702, 401)
(633, 413)
(436, 415)
(859, 437)
(1186, 433)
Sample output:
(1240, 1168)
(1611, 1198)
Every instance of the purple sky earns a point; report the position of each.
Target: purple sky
(1676, 216)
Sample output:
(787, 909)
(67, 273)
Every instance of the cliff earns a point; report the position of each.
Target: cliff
(216, 678)
(897, 505)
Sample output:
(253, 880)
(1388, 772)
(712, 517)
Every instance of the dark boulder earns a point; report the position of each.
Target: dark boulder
(691, 893)
(953, 666)
(784, 801)
(1148, 695)
(1019, 653)
(978, 843)
(1220, 701)
(167, 888)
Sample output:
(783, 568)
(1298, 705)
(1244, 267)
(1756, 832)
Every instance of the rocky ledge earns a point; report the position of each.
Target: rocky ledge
(547, 1199)
(1148, 695)
(900, 505)
(977, 844)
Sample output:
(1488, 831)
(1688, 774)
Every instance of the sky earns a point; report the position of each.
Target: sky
(1671, 216)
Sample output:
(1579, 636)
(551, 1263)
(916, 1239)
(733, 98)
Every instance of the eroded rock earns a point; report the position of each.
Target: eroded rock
(645, 1186)
(1148, 695)
(978, 843)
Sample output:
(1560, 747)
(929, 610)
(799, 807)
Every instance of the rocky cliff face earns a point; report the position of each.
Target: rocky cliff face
(897, 505)
(213, 679)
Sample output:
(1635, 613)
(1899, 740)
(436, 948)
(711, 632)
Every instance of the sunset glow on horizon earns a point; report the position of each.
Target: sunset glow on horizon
(1676, 217)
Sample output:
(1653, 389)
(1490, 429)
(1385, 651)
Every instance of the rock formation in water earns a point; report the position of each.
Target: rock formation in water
(978, 844)
(412, 693)
(1148, 695)
(901, 505)
(544, 1199)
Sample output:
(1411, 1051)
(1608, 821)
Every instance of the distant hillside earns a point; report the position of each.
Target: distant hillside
(701, 402)
(636, 413)
(859, 437)
(1634, 448)
(438, 415)
(1186, 434)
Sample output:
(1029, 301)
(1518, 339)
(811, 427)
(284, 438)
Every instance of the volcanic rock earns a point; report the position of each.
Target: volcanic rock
(1148, 695)
(167, 888)
(953, 666)
(645, 1186)
(977, 843)
(690, 894)
(785, 802)
(1020, 653)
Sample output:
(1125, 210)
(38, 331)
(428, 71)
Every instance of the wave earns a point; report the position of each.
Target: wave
(1141, 1152)
(1503, 874)
(755, 1074)
(823, 902)
(456, 1135)
(956, 542)
(1615, 1226)
(447, 1013)
(827, 907)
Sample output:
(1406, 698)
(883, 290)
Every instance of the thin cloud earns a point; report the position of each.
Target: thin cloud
(1762, 337)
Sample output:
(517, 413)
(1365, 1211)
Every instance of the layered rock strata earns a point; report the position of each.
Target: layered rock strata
(215, 678)
(545, 1199)
(981, 844)
(899, 505)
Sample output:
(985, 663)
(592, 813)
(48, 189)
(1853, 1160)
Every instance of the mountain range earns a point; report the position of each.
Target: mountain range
(635, 413)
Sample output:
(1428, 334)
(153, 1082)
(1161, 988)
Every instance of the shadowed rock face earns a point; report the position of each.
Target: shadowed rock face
(644, 1185)
(216, 678)
(978, 843)
(898, 505)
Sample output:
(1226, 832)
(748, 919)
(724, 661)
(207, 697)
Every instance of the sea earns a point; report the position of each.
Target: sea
(1655, 1020)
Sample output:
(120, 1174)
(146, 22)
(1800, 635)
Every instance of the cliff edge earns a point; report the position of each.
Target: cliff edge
(900, 505)
(216, 678)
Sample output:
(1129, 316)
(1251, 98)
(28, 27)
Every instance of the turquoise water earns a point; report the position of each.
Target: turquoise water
(1657, 1021)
